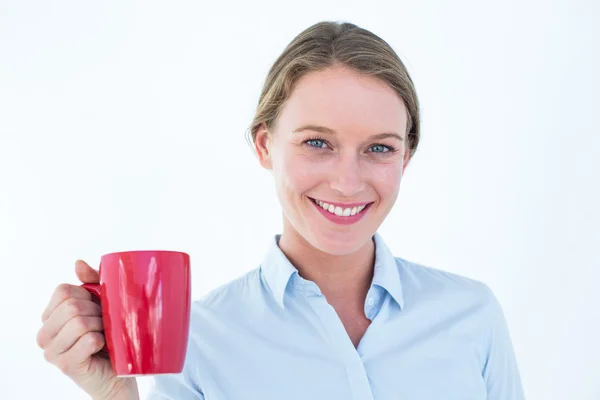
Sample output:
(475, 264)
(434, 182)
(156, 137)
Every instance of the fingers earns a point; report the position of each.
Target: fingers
(72, 331)
(67, 310)
(85, 347)
(72, 335)
(62, 293)
(78, 355)
(85, 273)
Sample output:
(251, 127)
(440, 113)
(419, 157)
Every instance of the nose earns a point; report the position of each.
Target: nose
(346, 177)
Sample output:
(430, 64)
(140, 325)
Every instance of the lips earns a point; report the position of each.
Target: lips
(341, 210)
(342, 213)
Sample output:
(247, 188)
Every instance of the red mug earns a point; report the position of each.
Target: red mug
(145, 298)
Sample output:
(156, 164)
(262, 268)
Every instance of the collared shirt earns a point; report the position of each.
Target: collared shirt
(272, 335)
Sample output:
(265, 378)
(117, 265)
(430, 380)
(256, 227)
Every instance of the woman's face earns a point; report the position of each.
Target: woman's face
(339, 144)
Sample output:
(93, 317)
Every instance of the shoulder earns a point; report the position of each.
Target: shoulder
(462, 302)
(424, 281)
(242, 290)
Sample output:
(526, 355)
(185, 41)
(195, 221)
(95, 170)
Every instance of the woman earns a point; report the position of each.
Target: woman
(330, 313)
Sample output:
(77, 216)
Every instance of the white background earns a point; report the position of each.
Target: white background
(122, 127)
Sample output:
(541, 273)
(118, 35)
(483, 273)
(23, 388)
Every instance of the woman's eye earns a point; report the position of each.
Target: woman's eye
(316, 143)
(379, 148)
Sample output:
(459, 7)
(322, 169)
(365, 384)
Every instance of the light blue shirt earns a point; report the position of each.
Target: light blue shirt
(271, 335)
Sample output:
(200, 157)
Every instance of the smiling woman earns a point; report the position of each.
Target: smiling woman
(356, 159)
(330, 313)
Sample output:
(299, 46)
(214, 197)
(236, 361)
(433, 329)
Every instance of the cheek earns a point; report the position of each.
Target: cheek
(385, 179)
(296, 174)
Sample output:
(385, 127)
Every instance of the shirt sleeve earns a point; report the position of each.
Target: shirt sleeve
(500, 372)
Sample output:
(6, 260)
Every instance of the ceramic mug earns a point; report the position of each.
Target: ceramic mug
(145, 297)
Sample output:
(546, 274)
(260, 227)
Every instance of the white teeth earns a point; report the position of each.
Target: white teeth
(339, 211)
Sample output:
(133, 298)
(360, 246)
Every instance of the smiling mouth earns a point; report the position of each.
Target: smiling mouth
(339, 210)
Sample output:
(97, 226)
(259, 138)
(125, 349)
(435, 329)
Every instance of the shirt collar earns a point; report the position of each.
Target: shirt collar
(386, 272)
(277, 270)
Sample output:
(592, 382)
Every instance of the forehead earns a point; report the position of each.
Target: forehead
(344, 100)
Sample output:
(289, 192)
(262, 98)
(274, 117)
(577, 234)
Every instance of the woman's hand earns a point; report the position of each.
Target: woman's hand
(73, 335)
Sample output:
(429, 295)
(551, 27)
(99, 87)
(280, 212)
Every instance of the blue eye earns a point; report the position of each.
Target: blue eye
(319, 143)
(380, 148)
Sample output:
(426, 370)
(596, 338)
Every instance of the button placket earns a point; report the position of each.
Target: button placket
(340, 341)
(337, 337)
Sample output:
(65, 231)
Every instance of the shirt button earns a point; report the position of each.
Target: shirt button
(371, 301)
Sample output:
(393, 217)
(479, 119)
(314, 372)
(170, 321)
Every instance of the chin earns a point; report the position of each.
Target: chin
(339, 243)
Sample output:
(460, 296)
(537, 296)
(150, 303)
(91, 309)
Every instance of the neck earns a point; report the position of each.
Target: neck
(343, 278)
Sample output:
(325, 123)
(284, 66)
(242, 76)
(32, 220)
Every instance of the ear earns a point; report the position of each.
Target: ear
(262, 146)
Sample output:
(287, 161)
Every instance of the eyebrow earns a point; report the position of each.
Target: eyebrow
(329, 131)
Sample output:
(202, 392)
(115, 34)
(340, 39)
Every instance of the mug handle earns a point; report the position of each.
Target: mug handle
(94, 289)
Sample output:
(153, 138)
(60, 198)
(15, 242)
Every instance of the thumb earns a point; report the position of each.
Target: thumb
(85, 273)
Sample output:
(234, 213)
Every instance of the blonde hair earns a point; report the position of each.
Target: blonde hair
(328, 44)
